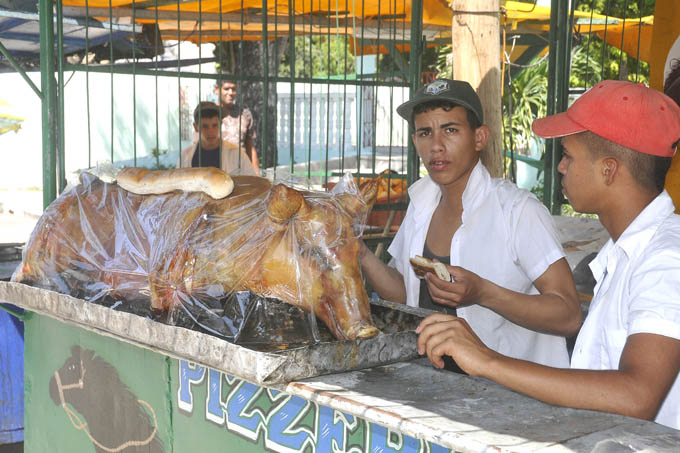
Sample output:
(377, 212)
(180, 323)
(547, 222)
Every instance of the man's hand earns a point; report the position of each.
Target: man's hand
(556, 310)
(441, 334)
(467, 288)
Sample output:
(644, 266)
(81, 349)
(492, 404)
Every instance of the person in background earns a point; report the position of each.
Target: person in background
(511, 281)
(238, 127)
(618, 139)
(209, 150)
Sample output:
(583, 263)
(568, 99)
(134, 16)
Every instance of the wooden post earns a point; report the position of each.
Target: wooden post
(476, 39)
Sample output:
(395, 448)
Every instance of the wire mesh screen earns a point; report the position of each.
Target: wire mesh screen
(314, 85)
(305, 90)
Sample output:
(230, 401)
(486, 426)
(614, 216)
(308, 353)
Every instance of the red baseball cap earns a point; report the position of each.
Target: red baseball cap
(626, 113)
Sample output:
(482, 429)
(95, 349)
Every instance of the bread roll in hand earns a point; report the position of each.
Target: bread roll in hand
(422, 265)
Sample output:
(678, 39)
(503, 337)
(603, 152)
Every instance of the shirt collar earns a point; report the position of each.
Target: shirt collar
(637, 235)
(476, 189)
(475, 192)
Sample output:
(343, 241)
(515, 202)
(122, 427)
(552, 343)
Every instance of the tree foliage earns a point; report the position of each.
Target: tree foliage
(591, 61)
(319, 56)
(618, 8)
(523, 101)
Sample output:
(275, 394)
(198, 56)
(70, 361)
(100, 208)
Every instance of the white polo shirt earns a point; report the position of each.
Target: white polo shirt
(508, 237)
(637, 291)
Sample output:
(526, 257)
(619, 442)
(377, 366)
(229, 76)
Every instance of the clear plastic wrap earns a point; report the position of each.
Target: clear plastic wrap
(184, 258)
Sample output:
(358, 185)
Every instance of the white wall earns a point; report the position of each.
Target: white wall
(21, 152)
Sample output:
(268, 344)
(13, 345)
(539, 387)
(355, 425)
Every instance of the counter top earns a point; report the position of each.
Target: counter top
(469, 414)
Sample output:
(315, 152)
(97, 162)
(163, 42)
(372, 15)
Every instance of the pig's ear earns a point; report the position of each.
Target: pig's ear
(361, 203)
(369, 190)
(283, 203)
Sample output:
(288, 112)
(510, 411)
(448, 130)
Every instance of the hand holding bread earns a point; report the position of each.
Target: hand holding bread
(422, 265)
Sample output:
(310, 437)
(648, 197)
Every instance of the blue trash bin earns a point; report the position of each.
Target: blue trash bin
(11, 377)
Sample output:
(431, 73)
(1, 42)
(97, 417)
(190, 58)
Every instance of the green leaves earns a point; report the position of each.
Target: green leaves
(523, 102)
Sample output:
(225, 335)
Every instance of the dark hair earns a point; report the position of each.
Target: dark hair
(671, 86)
(206, 109)
(447, 106)
(649, 171)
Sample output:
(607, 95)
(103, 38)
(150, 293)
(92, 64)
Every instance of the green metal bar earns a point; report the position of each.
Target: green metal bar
(49, 102)
(155, 3)
(19, 69)
(344, 102)
(200, 98)
(604, 41)
(558, 97)
(271, 161)
(265, 89)
(112, 110)
(291, 115)
(359, 96)
(384, 75)
(220, 58)
(17, 314)
(61, 127)
(156, 41)
(239, 92)
(369, 175)
(390, 76)
(396, 57)
(551, 144)
(310, 104)
(128, 69)
(527, 160)
(413, 163)
(87, 83)
(328, 92)
(134, 91)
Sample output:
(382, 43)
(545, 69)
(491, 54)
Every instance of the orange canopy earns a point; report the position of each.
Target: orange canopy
(225, 20)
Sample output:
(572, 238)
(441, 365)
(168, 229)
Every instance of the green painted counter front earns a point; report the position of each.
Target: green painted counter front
(90, 393)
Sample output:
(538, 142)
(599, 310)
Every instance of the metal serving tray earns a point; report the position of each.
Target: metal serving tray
(396, 343)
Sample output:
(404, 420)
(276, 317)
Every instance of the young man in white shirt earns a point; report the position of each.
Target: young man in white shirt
(209, 150)
(511, 281)
(618, 140)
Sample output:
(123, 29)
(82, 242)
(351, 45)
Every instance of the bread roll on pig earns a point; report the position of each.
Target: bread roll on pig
(209, 180)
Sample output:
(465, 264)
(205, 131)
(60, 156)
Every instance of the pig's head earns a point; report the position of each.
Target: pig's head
(315, 264)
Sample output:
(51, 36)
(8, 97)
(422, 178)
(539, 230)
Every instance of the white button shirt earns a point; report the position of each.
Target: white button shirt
(637, 291)
(508, 237)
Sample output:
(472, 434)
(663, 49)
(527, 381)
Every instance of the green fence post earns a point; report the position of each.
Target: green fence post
(414, 75)
(61, 127)
(558, 97)
(49, 102)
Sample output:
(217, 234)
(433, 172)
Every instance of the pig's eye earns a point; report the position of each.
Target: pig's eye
(320, 255)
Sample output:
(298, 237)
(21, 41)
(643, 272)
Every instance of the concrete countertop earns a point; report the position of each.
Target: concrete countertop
(469, 414)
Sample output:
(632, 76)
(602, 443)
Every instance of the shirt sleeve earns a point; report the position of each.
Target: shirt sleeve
(535, 239)
(398, 249)
(655, 296)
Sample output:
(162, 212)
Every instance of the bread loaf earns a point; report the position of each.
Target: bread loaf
(422, 265)
(209, 180)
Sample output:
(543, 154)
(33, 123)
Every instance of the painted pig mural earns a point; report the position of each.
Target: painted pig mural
(99, 240)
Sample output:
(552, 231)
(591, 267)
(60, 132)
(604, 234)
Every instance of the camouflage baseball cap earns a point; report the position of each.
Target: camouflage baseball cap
(456, 91)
